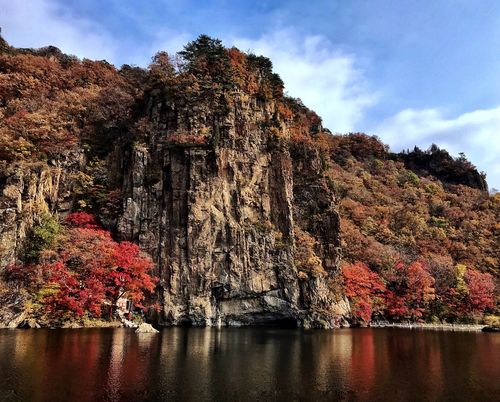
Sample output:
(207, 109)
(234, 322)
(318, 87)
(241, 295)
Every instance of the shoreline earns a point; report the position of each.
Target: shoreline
(413, 326)
(430, 326)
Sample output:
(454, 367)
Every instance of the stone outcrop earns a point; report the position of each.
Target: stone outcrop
(27, 194)
(146, 329)
(12, 311)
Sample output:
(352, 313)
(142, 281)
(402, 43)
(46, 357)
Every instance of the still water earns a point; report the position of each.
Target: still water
(249, 364)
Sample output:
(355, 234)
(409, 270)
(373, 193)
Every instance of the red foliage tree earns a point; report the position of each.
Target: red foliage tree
(411, 291)
(81, 220)
(481, 294)
(129, 274)
(420, 290)
(89, 270)
(396, 308)
(364, 289)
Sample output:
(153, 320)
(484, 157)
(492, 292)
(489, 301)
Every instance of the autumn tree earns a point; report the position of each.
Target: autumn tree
(365, 290)
(87, 271)
(305, 256)
(481, 291)
(420, 289)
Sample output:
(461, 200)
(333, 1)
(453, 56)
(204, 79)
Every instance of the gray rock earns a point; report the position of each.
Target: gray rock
(29, 324)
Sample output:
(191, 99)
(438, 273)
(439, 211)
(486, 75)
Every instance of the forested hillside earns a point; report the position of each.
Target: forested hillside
(246, 209)
(416, 243)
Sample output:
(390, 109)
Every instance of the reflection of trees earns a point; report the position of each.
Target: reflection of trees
(247, 364)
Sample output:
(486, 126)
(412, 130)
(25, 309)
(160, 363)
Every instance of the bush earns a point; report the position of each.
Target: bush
(407, 176)
(42, 236)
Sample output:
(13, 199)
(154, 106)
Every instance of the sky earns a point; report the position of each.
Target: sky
(412, 72)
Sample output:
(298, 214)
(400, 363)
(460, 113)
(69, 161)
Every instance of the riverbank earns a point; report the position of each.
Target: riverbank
(118, 324)
(431, 326)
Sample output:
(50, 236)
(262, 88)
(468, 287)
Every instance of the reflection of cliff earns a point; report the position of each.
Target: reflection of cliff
(248, 364)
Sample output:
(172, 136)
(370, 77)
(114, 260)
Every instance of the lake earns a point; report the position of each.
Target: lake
(249, 364)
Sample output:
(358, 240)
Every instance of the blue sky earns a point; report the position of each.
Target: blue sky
(411, 72)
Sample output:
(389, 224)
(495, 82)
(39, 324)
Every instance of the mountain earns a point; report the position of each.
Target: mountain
(251, 211)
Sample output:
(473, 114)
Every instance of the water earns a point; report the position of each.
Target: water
(254, 364)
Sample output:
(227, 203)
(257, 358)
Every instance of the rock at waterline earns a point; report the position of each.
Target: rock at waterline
(491, 329)
(29, 323)
(146, 329)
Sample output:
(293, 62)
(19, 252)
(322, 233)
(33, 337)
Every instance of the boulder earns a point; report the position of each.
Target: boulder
(29, 324)
(491, 329)
(146, 329)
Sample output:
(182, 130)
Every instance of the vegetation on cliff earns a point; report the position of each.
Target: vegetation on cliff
(419, 232)
(415, 246)
(77, 269)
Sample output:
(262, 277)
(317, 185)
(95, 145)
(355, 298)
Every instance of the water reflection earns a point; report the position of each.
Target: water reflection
(248, 364)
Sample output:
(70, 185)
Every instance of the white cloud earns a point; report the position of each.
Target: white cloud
(476, 133)
(327, 81)
(38, 23)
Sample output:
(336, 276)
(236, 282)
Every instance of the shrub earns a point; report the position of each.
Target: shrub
(41, 236)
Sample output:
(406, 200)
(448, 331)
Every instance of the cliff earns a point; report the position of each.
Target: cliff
(207, 187)
(246, 204)
(219, 218)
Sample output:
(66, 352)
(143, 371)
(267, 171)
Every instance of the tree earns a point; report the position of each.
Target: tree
(305, 257)
(87, 271)
(396, 308)
(420, 290)
(481, 295)
(42, 236)
(206, 57)
(161, 69)
(204, 46)
(81, 220)
(364, 289)
(129, 275)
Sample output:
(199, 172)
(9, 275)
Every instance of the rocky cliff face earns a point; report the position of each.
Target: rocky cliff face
(219, 219)
(201, 167)
(226, 182)
(28, 193)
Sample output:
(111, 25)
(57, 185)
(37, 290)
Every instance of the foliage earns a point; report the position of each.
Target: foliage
(86, 271)
(420, 223)
(408, 292)
(420, 234)
(81, 220)
(439, 163)
(305, 256)
(42, 236)
(481, 295)
(364, 289)
(183, 139)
